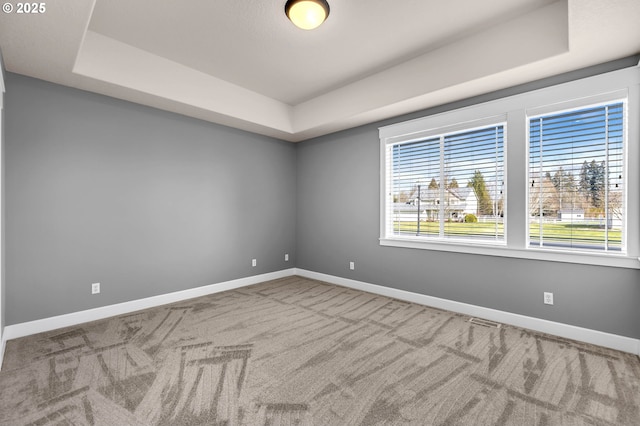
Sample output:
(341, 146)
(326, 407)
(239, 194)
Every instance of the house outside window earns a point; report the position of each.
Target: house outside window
(449, 186)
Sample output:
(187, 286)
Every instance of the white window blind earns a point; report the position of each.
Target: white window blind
(448, 186)
(577, 179)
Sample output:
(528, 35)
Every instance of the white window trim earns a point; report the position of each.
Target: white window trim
(615, 85)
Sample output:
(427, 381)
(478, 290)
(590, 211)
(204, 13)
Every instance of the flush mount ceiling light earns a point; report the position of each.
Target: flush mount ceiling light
(307, 14)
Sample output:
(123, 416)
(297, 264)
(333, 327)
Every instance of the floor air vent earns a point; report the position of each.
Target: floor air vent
(485, 323)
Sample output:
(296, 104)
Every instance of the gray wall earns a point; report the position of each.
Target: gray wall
(143, 201)
(338, 221)
(148, 202)
(2, 209)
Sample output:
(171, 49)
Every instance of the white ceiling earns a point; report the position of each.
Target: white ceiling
(242, 63)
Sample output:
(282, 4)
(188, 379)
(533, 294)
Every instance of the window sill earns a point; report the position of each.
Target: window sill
(611, 260)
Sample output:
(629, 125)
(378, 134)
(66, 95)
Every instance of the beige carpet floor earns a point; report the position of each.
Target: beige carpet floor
(296, 351)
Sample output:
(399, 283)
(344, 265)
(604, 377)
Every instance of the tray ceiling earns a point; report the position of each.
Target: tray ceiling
(243, 64)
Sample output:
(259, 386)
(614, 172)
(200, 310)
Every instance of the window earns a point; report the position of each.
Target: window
(550, 174)
(449, 186)
(577, 179)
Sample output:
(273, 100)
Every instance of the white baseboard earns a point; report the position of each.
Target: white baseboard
(608, 340)
(38, 326)
(613, 341)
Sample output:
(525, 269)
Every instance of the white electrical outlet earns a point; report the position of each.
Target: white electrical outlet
(95, 288)
(548, 298)
(286, 257)
(254, 262)
(352, 265)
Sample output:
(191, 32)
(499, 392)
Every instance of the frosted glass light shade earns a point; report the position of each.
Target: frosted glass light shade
(307, 14)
